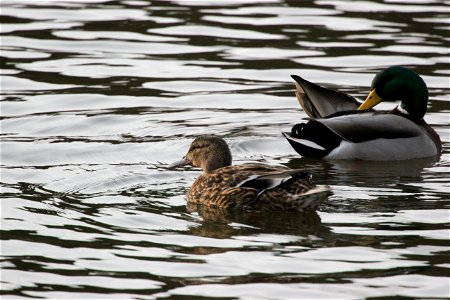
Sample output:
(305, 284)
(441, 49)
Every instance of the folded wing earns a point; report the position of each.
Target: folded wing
(269, 181)
(361, 127)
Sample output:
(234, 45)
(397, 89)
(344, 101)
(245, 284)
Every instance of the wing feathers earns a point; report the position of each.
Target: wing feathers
(368, 126)
(319, 102)
(266, 182)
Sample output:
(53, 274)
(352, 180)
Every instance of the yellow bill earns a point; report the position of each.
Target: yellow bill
(371, 100)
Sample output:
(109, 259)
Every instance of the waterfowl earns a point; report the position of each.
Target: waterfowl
(342, 128)
(252, 186)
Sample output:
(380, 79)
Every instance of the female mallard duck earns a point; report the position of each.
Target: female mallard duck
(249, 186)
(341, 128)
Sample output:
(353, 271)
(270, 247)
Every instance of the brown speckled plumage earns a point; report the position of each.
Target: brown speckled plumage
(248, 186)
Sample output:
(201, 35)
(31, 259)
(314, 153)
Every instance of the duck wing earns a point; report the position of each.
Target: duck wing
(361, 127)
(264, 182)
(233, 186)
(291, 189)
(319, 102)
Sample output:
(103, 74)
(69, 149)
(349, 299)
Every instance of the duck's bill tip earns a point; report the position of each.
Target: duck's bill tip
(179, 163)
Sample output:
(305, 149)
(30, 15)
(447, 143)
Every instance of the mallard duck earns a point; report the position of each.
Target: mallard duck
(342, 128)
(248, 186)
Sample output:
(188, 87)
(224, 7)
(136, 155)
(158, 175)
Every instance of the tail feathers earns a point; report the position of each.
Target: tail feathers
(316, 146)
(319, 102)
(312, 139)
(307, 144)
(312, 198)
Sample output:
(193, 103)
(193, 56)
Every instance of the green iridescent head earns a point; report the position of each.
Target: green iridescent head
(398, 83)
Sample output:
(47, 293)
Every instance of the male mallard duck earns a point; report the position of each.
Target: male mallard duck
(341, 128)
(249, 186)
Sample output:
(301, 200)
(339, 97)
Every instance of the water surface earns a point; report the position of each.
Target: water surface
(99, 96)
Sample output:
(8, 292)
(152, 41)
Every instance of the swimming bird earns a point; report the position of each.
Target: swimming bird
(342, 128)
(252, 186)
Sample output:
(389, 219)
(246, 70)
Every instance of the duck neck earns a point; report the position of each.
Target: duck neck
(414, 106)
(216, 162)
(209, 167)
(415, 97)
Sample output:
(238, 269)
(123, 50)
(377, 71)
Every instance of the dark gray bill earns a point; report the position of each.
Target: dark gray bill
(179, 163)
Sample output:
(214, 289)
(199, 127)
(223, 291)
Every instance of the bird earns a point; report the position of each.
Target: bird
(248, 186)
(340, 127)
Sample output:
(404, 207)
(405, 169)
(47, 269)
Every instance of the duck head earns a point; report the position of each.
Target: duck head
(398, 83)
(208, 152)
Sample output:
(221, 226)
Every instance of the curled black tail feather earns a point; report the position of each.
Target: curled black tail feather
(297, 129)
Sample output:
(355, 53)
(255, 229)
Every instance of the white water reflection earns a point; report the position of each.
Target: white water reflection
(331, 22)
(81, 15)
(192, 30)
(114, 35)
(100, 96)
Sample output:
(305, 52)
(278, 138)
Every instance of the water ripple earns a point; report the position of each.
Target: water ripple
(98, 97)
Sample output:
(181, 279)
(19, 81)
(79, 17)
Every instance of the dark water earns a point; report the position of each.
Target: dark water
(98, 96)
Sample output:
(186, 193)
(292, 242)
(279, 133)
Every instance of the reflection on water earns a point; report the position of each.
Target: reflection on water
(99, 96)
